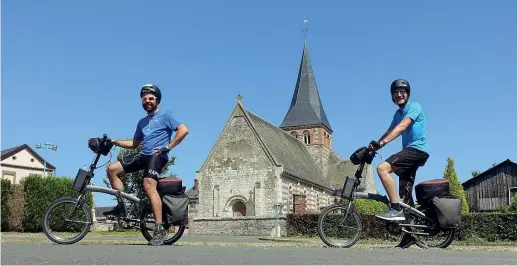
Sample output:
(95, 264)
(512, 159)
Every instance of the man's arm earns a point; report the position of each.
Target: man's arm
(397, 130)
(181, 132)
(386, 134)
(128, 144)
(131, 143)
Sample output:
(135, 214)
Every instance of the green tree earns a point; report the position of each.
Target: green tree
(456, 189)
(475, 173)
(134, 182)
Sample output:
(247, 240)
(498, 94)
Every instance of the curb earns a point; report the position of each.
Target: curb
(283, 240)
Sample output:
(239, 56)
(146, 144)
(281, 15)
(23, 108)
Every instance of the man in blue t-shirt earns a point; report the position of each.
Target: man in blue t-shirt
(410, 122)
(154, 132)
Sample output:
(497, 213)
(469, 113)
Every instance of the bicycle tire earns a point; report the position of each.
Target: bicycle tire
(148, 236)
(355, 216)
(449, 234)
(46, 227)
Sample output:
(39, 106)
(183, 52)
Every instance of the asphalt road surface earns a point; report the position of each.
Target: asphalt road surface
(131, 254)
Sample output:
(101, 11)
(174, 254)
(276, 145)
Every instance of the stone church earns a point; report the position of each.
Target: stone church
(255, 167)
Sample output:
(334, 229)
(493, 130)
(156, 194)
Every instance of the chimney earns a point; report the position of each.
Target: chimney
(196, 184)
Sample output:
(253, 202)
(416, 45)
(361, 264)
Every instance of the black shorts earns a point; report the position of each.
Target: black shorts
(151, 164)
(405, 164)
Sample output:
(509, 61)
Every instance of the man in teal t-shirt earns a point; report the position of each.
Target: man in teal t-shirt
(154, 133)
(410, 122)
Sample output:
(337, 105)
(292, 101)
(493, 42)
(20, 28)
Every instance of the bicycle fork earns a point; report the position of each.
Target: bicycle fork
(78, 205)
(349, 209)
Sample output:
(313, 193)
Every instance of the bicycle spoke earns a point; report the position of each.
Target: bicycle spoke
(339, 227)
(65, 221)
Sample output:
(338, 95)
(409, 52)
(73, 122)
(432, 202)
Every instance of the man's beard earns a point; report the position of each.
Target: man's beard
(149, 107)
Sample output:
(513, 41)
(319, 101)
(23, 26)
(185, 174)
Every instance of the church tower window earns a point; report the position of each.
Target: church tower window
(306, 137)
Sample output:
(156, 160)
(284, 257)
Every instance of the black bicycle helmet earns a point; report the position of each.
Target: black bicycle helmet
(400, 83)
(150, 88)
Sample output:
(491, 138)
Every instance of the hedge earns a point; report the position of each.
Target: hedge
(6, 188)
(16, 208)
(485, 226)
(27, 202)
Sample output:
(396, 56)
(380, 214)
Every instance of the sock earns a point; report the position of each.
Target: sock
(396, 206)
(159, 226)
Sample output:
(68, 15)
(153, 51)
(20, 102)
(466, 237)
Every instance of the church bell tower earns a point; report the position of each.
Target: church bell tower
(306, 118)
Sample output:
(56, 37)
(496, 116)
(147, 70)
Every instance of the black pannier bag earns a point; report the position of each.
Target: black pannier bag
(361, 155)
(427, 190)
(98, 146)
(174, 201)
(170, 186)
(448, 212)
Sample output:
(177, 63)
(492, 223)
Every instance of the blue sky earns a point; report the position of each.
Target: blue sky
(72, 70)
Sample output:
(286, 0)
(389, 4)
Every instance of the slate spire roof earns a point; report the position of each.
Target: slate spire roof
(306, 107)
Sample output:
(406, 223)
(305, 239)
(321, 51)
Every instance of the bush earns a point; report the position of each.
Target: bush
(6, 189)
(487, 226)
(39, 193)
(365, 206)
(16, 206)
(456, 189)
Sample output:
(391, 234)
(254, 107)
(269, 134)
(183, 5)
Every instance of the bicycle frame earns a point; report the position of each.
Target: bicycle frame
(87, 186)
(384, 199)
(354, 194)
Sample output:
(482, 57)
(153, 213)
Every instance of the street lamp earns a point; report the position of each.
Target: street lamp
(46, 146)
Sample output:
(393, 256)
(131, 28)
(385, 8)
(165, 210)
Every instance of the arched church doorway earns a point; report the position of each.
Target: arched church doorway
(239, 209)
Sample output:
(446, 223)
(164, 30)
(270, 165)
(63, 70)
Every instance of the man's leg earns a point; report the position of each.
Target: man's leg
(156, 203)
(115, 172)
(406, 183)
(395, 212)
(384, 171)
(151, 175)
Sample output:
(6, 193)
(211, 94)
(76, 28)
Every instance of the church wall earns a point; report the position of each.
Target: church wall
(320, 154)
(239, 170)
(316, 198)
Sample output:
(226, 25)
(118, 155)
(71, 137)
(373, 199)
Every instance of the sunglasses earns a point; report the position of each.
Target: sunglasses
(395, 93)
(148, 98)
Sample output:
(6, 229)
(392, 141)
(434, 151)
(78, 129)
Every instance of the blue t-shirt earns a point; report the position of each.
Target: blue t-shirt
(415, 134)
(156, 130)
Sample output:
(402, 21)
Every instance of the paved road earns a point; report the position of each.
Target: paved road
(135, 253)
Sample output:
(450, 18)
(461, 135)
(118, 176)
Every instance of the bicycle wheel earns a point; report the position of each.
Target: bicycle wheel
(339, 219)
(147, 226)
(437, 237)
(61, 217)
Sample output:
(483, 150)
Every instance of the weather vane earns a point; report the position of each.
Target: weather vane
(304, 30)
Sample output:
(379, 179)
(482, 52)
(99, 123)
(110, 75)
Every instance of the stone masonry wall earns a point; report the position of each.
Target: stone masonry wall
(239, 170)
(316, 198)
(320, 154)
(238, 226)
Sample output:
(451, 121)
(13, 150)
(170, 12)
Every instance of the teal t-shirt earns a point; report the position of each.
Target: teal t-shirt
(415, 134)
(156, 130)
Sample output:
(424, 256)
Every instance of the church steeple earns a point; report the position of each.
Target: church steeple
(306, 115)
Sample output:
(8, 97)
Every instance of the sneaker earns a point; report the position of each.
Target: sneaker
(118, 210)
(406, 242)
(158, 237)
(392, 215)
